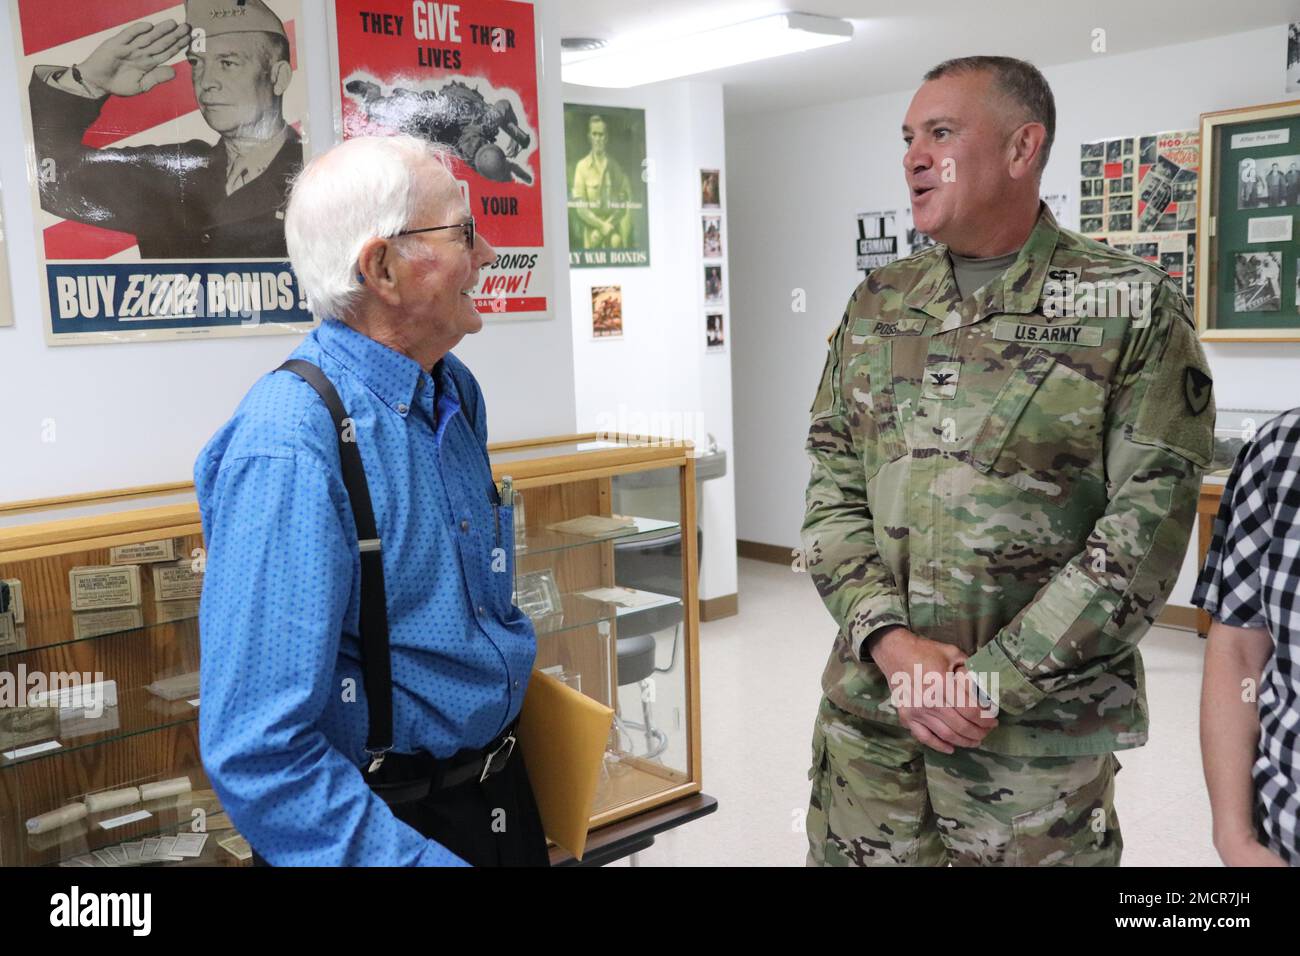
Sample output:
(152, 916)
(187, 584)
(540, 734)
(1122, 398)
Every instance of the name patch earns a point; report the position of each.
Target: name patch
(865, 326)
(1090, 336)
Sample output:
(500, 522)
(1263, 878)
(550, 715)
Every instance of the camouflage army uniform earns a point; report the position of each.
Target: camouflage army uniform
(1017, 482)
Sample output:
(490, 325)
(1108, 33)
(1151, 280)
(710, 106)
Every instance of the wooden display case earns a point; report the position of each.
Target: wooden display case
(642, 660)
(622, 626)
(55, 757)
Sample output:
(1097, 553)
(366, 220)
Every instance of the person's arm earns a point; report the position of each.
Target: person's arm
(1098, 605)
(1237, 651)
(1234, 664)
(838, 529)
(278, 585)
(851, 576)
(102, 187)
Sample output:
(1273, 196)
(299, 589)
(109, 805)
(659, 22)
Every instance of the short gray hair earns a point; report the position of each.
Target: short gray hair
(1018, 80)
(362, 189)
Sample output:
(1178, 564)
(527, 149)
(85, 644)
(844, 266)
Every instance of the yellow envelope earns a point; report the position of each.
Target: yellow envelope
(563, 735)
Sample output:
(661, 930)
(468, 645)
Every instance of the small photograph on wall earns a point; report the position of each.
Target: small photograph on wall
(1274, 181)
(714, 337)
(712, 236)
(710, 189)
(1293, 58)
(607, 312)
(713, 283)
(1256, 282)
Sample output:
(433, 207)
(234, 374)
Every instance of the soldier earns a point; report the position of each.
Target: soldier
(1276, 186)
(1006, 448)
(191, 200)
(602, 193)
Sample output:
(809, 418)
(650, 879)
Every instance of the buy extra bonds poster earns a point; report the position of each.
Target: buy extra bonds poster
(463, 75)
(162, 138)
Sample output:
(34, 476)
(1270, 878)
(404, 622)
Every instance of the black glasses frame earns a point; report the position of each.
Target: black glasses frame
(467, 229)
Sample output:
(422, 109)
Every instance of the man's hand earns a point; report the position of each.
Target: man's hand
(134, 61)
(1244, 850)
(897, 652)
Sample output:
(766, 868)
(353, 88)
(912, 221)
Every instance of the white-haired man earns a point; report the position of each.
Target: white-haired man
(322, 752)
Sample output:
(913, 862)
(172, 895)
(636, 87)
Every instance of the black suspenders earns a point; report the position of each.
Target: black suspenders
(376, 665)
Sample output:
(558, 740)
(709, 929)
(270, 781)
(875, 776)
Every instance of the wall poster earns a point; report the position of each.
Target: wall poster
(1250, 198)
(607, 172)
(6, 296)
(1138, 194)
(464, 75)
(163, 138)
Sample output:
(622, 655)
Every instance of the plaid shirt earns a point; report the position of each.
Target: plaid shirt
(1252, 579)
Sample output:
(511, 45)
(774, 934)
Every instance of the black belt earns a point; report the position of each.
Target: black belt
(404, 778)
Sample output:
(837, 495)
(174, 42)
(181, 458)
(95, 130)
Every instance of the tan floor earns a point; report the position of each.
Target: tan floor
(760, 673)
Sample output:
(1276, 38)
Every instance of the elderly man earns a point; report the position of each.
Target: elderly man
(304, 601)
(1006, 450)
(191, 200)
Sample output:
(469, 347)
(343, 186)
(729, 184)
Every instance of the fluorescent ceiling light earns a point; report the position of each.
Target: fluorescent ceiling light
(632, 63)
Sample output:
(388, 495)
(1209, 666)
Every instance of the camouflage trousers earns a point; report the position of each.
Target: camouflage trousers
(879, 798)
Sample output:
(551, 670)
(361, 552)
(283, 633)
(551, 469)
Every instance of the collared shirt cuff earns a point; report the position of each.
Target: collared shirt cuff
(1001, 681)
(60, 78)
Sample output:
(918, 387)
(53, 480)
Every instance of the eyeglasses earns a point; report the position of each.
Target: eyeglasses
(467, 229)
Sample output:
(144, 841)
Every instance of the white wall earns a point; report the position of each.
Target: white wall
(659, 370)
(799, 177)
(139, 413)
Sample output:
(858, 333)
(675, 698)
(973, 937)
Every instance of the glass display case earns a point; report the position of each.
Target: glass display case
(606, 566)
(99, 648)
(99, 660)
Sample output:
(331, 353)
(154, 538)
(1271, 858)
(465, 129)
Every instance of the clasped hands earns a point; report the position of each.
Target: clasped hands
(912, 664)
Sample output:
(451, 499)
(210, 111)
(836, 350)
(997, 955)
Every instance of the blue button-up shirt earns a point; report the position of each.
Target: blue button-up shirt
(284, 718)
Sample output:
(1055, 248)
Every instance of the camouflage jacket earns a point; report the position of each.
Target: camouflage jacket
(1015, 474)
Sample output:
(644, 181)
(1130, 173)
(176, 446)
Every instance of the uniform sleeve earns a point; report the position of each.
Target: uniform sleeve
(111, 188)
(1158, 438)
(276, 590)
(1229, 588)
(838, 529)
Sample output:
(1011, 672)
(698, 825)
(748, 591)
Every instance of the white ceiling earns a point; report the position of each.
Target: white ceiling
(894, 44)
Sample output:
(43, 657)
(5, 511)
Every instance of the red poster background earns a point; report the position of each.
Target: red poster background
(395, 60)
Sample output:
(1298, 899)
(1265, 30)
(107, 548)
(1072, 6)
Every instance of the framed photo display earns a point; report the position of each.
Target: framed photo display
(1249, 255)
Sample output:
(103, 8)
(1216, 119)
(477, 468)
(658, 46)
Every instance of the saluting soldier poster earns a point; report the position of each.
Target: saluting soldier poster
(163, 138)
(607, 171)
(464, 75)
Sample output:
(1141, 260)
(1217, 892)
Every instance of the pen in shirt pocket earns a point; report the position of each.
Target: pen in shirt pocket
(507, 494)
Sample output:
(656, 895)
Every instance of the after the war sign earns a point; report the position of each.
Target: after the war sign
(463, 75)
(164, 137)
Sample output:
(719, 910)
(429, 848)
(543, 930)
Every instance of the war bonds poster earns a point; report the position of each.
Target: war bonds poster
(463, 75)
(163, 138)
(607, 172)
